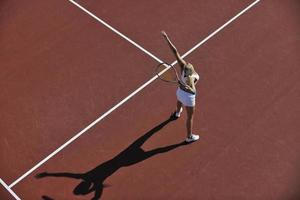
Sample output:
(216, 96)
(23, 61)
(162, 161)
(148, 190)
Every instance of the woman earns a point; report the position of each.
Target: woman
(186, 92)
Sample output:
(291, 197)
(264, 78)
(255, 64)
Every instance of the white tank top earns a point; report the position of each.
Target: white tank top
(194, 75)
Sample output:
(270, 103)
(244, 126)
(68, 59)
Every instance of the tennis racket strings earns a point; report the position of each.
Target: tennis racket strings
(167, 73)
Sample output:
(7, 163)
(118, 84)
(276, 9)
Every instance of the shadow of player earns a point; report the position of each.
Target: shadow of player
(46, 198)
(93, 180)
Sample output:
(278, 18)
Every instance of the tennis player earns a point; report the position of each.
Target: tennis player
(186, 92)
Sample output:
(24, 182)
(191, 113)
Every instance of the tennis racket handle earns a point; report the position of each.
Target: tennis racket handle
(180, 83)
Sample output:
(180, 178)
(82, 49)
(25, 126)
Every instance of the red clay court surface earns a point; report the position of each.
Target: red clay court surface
(61, 69)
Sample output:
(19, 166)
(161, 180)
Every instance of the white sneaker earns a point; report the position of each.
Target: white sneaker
(192, 138)
(177, 114)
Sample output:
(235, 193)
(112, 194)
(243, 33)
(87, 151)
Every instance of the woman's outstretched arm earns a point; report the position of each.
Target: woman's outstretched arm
(181, 62)
(61, 174)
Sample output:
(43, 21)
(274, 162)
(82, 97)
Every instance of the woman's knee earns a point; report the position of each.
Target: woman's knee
(190, 113)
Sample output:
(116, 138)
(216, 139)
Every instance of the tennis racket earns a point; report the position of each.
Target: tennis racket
(167, 73)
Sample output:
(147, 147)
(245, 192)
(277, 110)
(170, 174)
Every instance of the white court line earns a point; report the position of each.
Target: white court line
(9, 190)
(221, 27)
(115, 30)
(129, 96)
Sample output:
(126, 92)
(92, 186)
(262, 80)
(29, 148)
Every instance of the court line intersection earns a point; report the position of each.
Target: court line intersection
(9, 187)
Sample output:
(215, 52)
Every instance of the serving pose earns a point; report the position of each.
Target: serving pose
(186, 91)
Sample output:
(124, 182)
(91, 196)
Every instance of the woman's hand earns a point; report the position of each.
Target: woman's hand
(164, 34)
(187, 87)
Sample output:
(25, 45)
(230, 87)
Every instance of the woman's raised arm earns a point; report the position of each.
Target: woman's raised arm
(181, 62)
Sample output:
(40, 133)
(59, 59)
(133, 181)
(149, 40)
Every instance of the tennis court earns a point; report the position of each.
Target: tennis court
(79, 100)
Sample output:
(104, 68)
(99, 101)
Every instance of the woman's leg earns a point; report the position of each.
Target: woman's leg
(179, 107)
(189, 125)
(190, 118)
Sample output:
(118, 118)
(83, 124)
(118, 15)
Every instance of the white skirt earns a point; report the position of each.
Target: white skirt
(187, 99)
